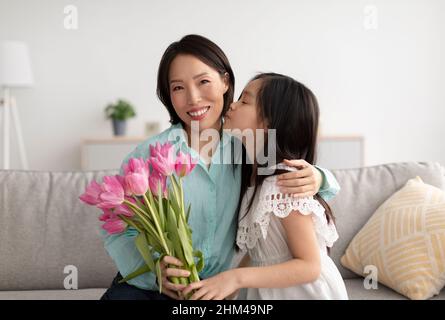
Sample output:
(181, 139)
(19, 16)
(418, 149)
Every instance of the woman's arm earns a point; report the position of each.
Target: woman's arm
(122, 248)
(308, 180)
(304, 268)
(329, 186)
(123, 251)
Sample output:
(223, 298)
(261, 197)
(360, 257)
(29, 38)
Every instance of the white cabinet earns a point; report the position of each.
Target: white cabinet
(99, 154)
(333, 152)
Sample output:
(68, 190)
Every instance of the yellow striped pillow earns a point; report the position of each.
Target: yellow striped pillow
(405, 241)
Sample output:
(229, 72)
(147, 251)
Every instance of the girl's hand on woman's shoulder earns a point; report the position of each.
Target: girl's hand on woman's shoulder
(305, 182)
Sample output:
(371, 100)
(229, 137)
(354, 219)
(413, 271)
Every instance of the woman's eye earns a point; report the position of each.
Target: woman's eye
(177, 88)
(243, 102)
(204, 81)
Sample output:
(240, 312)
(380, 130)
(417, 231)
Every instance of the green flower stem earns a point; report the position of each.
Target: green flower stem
(175, 185)
(141, 205)
(135, 207)
(181, 195)
(141, 215)
(128, 221)
(155, 219)
(194, 276)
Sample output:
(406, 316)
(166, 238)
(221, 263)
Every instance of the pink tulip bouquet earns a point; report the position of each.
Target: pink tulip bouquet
(143, 199)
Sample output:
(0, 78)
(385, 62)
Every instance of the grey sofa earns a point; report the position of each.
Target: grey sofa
(44, 228)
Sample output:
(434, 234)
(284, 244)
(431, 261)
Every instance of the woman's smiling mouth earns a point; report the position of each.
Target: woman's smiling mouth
(198, 114)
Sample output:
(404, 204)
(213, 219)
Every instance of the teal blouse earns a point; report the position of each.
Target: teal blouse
(213, 194)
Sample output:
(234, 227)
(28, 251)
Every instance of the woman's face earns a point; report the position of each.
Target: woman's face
(244, 113)
(197, 92)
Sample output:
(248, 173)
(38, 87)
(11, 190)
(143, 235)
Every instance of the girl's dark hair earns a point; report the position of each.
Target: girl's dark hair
(290, 108)
(206, 51)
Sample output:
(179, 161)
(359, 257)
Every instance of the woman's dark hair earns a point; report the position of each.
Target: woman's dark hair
(206, 51)
(290, 108)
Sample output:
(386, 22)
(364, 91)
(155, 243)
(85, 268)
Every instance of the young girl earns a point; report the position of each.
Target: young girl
(196, 83)
(286, 239)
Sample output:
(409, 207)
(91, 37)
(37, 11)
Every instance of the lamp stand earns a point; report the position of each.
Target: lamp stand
(10, 109)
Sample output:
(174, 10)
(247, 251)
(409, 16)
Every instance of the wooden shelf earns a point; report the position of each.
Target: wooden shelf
(114, 139)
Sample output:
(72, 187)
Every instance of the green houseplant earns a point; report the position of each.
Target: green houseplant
(119, 113)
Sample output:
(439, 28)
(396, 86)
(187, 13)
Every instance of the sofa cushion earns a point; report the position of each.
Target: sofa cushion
(405, 240)
(45, 227)
(356, 291)
(363, 190)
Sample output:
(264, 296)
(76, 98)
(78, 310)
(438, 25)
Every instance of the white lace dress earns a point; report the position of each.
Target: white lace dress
(262, 235)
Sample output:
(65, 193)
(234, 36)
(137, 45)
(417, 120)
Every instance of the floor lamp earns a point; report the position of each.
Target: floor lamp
(15, 72)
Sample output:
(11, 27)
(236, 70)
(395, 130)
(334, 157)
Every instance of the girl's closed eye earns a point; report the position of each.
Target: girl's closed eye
(242, 100)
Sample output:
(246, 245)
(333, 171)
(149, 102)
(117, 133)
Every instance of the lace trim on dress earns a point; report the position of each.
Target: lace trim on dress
(255, 224)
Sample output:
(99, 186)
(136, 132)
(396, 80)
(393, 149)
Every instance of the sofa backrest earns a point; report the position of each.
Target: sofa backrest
(363, 190)
(44, 227)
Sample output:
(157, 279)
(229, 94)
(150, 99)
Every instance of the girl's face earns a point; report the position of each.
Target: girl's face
(244, 113)
(197, 92)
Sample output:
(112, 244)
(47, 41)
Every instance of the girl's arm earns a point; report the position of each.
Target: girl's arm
(304, 268)
(243, 263)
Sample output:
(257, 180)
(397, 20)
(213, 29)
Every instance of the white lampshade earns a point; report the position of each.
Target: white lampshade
(15, 65)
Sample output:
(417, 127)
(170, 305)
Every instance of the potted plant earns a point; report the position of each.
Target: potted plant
(119, 112)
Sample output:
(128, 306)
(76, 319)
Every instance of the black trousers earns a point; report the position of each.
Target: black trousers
(125, 291)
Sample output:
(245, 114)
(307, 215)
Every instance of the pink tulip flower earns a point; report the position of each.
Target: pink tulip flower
(162, 158)
(114, 226)
(107, 215)
(184, 164)
(92, 193)
(159, 149)
(112, 193)
(123, 209)
(136, 177)
(137, 165)
(154, 180)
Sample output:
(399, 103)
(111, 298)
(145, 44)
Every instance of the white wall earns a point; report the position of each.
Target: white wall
(385, 84)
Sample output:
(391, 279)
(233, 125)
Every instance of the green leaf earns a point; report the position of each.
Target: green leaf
(200, 265)
(161, 214)
(120, 110)
(187, 215)
(172, 228)
(175, 208)
(130, 222)
(151, 206)
(187, 228)
(158, 272)
(138, 202)
(137, 273)
(185, 242)
(155, 244)
(144, 250)
(152, 235)
(175, 197)
(169, 244)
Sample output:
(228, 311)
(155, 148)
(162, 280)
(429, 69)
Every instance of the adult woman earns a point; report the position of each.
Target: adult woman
(196, 85)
